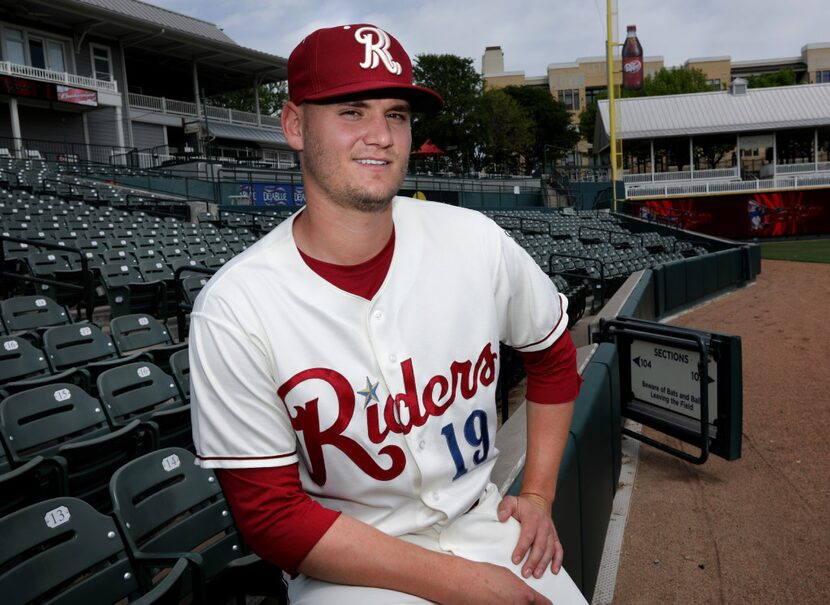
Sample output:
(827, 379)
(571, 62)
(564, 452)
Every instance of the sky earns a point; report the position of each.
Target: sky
(532, 34)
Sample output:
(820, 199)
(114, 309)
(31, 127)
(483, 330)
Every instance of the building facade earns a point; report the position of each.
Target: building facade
(579, 83)
(123, 81)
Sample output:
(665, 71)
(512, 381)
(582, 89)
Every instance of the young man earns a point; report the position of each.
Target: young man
(344, 368)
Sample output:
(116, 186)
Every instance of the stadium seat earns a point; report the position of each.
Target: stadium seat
(128, 292)
(20, 360)
(140, 332)
(180, 367)
(164, 503)
(24, 313)
(64, 421)
(62, 551)
(142, 390)
(37, 480)
(85, 347)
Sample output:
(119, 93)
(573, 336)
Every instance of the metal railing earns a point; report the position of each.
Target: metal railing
(58, 77)
(684, 175)
(191, 109)
(802, 168)
(85, 288)
(640, 191)
(58, 151)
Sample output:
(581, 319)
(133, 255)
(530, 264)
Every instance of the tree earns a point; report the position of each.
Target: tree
(784, 77)
(550, 124)
(272, 96)
(505, 132)
(457, 81)
(673, 81)
(588, 119)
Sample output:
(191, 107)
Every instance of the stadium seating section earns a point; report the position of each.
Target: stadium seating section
(97, 283)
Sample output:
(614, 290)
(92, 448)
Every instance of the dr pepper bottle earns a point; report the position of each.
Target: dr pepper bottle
(632, 61)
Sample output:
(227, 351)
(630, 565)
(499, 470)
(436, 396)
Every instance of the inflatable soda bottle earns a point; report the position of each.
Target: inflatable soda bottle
(632, 61)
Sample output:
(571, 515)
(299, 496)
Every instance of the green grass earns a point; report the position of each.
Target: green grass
(808, 251)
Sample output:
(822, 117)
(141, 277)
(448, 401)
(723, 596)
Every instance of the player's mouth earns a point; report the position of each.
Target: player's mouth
(372, 162)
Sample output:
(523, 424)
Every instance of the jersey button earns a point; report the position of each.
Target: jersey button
(422, 444)
(378, 314)
(435, 496)
(393, 358)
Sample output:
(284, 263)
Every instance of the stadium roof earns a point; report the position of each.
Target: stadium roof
(799, 106)
(247, 133)
(148, 31)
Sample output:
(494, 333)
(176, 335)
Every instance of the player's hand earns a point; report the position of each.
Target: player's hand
(538, 540)
(487, 584)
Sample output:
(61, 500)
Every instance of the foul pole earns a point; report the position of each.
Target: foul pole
(612, 121)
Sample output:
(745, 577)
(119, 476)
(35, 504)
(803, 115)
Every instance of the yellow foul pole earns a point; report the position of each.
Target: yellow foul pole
(612, 122)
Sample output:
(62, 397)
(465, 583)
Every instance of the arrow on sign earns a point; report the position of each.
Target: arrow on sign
(637, 361)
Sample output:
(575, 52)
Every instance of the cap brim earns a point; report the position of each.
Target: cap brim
(421, 100)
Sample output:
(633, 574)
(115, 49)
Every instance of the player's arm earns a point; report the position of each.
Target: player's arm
(351, 552)
(553, 384)
(285, 526)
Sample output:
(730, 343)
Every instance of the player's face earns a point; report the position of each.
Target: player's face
(355, 152)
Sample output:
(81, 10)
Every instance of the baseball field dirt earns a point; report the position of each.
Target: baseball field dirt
(756, 530)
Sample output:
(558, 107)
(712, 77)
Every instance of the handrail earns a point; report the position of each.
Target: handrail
(181, 306)
(86, 275)
(585, 258)
(609, 232)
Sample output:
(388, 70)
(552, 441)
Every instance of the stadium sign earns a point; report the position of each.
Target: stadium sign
(681, 382)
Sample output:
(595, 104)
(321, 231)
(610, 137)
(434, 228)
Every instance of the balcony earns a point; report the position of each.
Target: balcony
(56, 77)
(810, 175)
(190, 110)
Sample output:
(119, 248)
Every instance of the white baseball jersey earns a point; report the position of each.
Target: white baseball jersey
(388, 404)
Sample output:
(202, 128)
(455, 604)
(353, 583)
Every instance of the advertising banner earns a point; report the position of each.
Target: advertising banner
(743, 215)
(273, 194)
(78, 96)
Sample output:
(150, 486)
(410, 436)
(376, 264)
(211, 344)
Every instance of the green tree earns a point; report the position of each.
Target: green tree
(505, 131)
(588, 119)
(272, 96)
(550, 124)
(784, 77)
(672, 81)
(457, 81)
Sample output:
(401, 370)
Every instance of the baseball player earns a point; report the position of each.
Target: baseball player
(344, 368)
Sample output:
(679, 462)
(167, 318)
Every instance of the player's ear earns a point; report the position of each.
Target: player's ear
(292, 125)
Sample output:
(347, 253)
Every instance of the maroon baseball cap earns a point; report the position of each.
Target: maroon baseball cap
(349, 59)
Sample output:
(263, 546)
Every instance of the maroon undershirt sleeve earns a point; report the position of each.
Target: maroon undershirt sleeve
(278, 519)
(552, 376)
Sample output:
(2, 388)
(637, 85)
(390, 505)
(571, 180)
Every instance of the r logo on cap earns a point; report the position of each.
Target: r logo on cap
(376, 51)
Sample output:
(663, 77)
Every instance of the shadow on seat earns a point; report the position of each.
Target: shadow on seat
(166, 505)
(62, 551)
(63, 421)
(141, 390)
(37, 480)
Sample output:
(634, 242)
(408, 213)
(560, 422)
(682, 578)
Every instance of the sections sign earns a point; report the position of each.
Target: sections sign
(669, 378)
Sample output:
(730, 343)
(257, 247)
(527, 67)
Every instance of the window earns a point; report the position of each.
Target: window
(54, 56)
(15, 51)
(570, 98)
(823, 76)
(43, 53)
(37, 54)
(101, 62)
(591, 94)
(714, 83)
